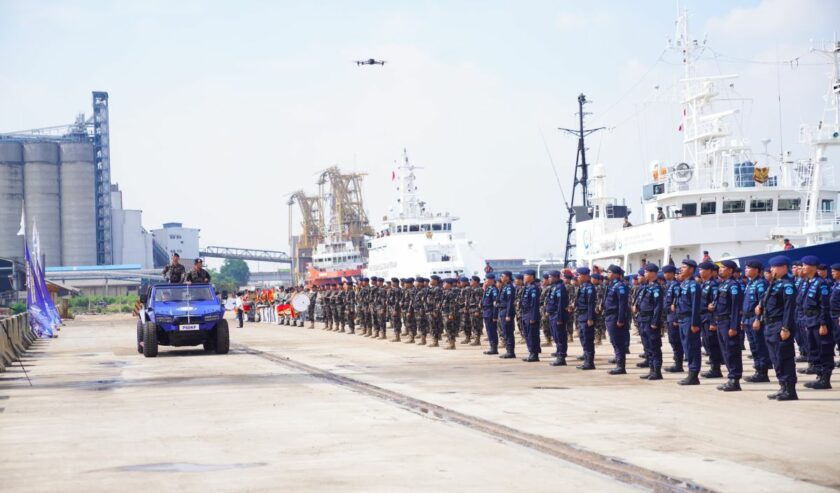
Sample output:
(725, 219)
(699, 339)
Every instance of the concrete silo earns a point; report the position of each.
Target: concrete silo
(78, 204)
(11, 199)
(42, 191)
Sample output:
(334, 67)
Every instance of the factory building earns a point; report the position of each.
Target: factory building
(174, 237)
(61, 176)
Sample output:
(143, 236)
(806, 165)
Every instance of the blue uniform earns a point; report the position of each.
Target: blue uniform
(834, 311)
(555, 307)
(530, 309)
(726, 317)
(815, 312)
(507, 296)
(634, 303)
(616, 315)
(779, 312)
(648, 318)
(689, 307)
(801, 333)
(585, 302)
(758, 346)
(488, 312)
(709, 294)
(672, 292)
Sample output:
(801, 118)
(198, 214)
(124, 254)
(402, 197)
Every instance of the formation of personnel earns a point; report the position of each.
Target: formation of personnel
(707, 307)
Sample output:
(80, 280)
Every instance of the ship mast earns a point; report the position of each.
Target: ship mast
(408, 203)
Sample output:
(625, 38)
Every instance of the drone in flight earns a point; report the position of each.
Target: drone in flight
(370, 61)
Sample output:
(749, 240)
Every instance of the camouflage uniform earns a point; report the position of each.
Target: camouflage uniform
(379, 300)
(465, 322)
(326, 304)
(474, 297)
(374, 323)
(199, 276)
(449, 313)
(408, 295)
(339, 306)
(543, 316)
(362, 311)
(350, 309)
(393, 298)
(600, 318)
(433, 301)
(517, 309)
(572, 289)
(174, 274)
(419, 304)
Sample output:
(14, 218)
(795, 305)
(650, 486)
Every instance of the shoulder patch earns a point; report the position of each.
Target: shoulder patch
(734, 289)
(656, 294)
(788, 290)
(693, 288)
(824, 290)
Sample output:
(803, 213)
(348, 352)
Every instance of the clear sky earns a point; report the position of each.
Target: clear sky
(220, 109)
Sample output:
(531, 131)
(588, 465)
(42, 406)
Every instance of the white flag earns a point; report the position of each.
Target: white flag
(36, 245)
(22, 231)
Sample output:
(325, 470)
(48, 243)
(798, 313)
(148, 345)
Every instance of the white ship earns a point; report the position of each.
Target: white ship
(716, 197)
(413, 241)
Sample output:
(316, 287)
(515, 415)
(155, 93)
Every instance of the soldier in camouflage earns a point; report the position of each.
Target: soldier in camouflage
(600, 319)
(519, 290)
(409, 320)
(175, 273)
(349, 307)
(543, 316)
(339, 307)
(419, 303)
(571, 289)
(475, 292)
(362, 311)
(464, 322)
(394, 296)
(449, 311)
(433, 302)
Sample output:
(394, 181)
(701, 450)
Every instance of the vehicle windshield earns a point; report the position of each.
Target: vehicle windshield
(184, 293)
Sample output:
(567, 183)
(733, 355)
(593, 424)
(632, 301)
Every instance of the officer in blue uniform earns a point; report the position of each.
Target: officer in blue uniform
(834, 305)
(754, 292)
(726, 319)
(709, 292)
(636, 293)
(688, 308)
(672, 292)
(816, 321)
(616, 313)
(649, 320)
(488, 312)
(531, 315)
(779, 311)
(585, 304)
(555, 307)
(507, 314)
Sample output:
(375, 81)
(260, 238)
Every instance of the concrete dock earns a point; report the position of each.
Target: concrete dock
(295, 409)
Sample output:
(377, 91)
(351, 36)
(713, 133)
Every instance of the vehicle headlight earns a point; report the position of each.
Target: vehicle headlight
(211, 317)
(164, 319)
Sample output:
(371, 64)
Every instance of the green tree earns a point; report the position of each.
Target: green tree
(223, 282)
(237, 270)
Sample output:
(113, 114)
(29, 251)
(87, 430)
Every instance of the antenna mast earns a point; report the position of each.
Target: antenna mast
(581, 177)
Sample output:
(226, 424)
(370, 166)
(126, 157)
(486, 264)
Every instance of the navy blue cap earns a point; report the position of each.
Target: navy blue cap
(715, 267)
(614, 269)
(822, 267)
(434, 277)
(835, 266)
(519, 276)
(660, 275)
(642, 271)
(689, 263)
(584, 271)
(545, 275)
(554, 273)
(668, 269)
(729, 264)
(779, 260)
(529, 272)
(810, 260)
(410, 279)
(464, 279)
(652, 268)
(597, 276)
(476, 278)
(394, 279)
(448, 280)
(755, 264)
(349, 282)
(490, 276)
(507, 273)
(706, 265)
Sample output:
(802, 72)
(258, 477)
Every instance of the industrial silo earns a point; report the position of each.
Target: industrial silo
(78, 204)
(11, 199)
(41, 192)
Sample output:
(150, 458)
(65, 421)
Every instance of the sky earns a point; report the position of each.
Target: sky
(219, 110)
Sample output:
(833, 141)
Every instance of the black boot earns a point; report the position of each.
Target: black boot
(619, 368)
(648, 374)
(691, 379)
(801, 358)
(656, 373)
(823, 382)
(643, 364)
(677, 367)
(789, 393)
(777, 393)
(532, 358)
(508, 354)
(731, 385)
(559, 361)
(493, 350)
(760, 376)
(714, 372)
(588, 362)
(811, 370)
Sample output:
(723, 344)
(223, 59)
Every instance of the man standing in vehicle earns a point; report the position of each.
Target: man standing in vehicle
(198, 275)
(174, 273)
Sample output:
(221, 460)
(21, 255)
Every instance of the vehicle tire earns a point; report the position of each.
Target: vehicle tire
(150, 340)
(139, 336)
(222, 344)
(210, 343)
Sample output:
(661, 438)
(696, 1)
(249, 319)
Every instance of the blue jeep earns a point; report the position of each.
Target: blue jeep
(182, 315)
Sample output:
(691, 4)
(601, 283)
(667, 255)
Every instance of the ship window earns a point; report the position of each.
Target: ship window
(789, 204)
(448, 227)
(689, 210)
(826, 205)
(761, 205)
(436, 227)
(707, 208)
(424, 227)
(730, 206)
(414, 227)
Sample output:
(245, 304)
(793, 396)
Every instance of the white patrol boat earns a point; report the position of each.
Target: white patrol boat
(716, 197)
(414, 241)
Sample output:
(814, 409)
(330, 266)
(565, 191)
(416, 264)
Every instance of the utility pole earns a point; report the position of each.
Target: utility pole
(581, 177)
